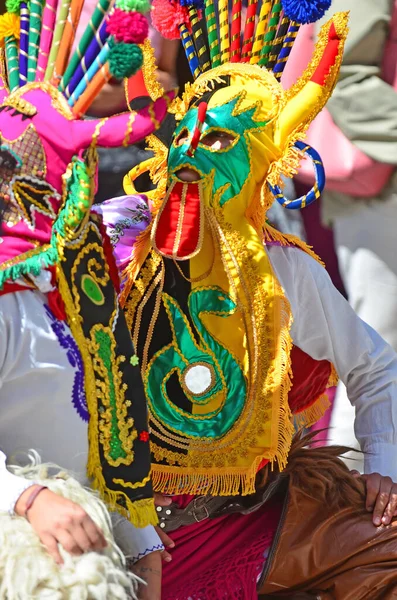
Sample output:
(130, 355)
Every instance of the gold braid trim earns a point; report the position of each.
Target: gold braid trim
(149, 68)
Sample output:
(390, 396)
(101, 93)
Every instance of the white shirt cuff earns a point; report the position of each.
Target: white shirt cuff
(133, 542)
(381, 458)
(11, 486)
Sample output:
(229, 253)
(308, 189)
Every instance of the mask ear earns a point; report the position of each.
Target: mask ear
(311, 92)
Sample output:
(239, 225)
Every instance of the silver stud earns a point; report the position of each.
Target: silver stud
(159, 508)
(167, 512)
(162, 525)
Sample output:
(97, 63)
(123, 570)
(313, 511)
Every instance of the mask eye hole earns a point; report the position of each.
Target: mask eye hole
(217, 140)
(182, 137)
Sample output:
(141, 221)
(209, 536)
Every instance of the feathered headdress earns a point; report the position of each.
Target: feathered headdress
(217, 42)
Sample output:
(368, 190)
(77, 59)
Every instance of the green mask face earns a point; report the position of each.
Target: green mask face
(223, 151)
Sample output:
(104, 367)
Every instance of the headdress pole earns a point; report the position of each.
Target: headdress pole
(210, 17)
(249, 29)
(235, 54)
(24, 44)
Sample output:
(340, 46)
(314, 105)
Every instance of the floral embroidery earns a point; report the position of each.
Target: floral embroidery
(138, 215)
(68, 343)
(144, 436)
(134, 360)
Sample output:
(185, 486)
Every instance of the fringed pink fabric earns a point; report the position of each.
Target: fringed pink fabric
(220, 559)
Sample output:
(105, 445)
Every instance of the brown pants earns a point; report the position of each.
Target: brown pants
(326, 550)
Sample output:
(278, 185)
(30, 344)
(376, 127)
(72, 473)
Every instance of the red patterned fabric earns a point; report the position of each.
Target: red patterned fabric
(220, 558)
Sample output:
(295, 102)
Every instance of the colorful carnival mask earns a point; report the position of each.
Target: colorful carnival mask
(209, 319)
(48, 237)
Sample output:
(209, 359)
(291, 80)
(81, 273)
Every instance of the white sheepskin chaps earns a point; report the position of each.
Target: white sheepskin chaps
(27, 571)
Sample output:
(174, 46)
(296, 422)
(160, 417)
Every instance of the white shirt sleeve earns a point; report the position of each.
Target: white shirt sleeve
(11, 486)
(327, 328)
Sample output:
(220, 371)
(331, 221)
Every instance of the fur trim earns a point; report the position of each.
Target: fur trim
(28, 571)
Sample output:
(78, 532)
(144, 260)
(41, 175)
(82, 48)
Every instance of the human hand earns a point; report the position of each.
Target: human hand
(57, 520)
(381, 497)
(149, 569)
(161, 500)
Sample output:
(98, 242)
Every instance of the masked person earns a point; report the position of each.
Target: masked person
(239, 330)
(69, 384)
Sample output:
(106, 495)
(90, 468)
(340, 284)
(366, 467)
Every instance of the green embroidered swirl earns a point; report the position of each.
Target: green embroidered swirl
(198, 365)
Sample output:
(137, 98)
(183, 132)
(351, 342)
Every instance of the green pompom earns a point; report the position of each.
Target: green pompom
(141, 6)
(124, 59)
(13, 6)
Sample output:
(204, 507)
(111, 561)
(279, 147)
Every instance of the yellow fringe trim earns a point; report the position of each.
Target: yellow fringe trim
(273, 235)
(192, 481)
(314, 413)
(140, 513)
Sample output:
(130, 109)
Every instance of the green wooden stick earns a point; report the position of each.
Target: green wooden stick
(212, 33)
(56, 40)
(270, 34)
(12, 58)
(35, 19)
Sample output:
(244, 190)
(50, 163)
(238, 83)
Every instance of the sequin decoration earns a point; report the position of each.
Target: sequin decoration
(138, 215)
(29, 149)
(74, 357)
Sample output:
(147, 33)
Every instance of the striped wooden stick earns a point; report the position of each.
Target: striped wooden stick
(56, 40)
(89, 33)
(199, 39)
(11, 48)
(47, 32)
(270, 34)
(249, 30)
(278, 42)
(190, 51)
(35, 19)
(223, 7)
(92, 91)
(286, 49)
(24, 44)
(235, 32)
(67, 40)
(89, 75)
(212, 30)
(260, 31)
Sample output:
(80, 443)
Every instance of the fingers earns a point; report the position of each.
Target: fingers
(166, 556)
(391, 507)
(373, 487)
(382, 500)
(69, 543)
(166, 540)
(95, 535)
(355, 473)
(52, 548)
(161, 500)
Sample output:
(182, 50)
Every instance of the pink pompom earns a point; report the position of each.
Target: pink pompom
(128, 27)
(167, 16)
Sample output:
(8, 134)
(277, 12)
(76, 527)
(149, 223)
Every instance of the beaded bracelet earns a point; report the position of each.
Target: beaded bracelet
(33, 497)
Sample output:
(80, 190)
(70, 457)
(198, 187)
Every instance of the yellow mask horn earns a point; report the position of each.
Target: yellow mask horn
(310, 93)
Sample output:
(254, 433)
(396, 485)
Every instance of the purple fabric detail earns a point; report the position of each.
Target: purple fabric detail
(24, 43)
(92, 52)
(74, 357)
(125, 218)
